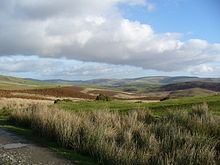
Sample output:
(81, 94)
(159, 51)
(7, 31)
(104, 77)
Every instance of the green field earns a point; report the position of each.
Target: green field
(157, 108)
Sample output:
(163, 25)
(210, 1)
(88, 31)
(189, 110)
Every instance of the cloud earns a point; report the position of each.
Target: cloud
(50, 68)
(201, 69)
(44, 9)
(95, 31)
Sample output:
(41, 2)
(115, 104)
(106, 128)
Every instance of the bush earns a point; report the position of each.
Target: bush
(165, 98)
(57, 101)
(64, 100)
(102, 97)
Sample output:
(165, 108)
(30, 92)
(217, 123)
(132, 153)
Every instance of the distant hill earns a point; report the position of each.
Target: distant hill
(159, 80)
(213, 86)
(142, 84)
(190, 93)
(8, 82)
(146, 84)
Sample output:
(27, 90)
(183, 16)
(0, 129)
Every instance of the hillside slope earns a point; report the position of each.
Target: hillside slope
(141, 84)
(190, 93)
(213, 86)
(8, 82)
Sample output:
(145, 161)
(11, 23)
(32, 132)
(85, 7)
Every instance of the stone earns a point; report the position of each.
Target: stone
(13, 146)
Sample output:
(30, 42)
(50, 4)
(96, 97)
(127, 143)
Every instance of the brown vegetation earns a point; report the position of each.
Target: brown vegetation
(104, 92)
(14, 94)
(74, 92)
(46, 93)
(189, 85)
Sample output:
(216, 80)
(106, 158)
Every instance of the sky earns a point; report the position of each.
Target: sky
(80, 40)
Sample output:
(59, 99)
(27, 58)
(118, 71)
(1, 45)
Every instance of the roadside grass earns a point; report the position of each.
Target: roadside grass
(50, 143)
(137, 137)
(158, 108)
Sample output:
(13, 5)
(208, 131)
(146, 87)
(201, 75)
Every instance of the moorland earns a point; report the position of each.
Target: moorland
(148, 120)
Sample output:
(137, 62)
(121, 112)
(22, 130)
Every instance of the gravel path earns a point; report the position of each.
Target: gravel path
(15, 150)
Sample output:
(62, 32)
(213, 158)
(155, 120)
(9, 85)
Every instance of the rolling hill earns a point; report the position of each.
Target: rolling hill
(158, 80)
(213, 86)
(190, 93)
(155, 83)
(8, 82)
(176, 86)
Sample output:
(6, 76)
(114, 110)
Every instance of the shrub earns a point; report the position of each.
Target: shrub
(102, 97)
(57, 101)
(165, 98)
(64, 100)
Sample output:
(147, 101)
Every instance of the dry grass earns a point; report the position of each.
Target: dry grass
(18, 103)
(133, 138)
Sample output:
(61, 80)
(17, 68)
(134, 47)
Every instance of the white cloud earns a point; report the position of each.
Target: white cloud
(201, 69)
(95, 31)
(50, 68)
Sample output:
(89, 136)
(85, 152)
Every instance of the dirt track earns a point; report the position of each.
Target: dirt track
(15, 150)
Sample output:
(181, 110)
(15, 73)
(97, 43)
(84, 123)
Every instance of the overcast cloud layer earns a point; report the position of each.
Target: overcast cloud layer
(95, 31)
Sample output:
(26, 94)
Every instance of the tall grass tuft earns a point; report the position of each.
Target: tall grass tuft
(134, 138)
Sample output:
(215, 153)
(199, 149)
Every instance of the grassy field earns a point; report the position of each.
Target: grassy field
(157, 108)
